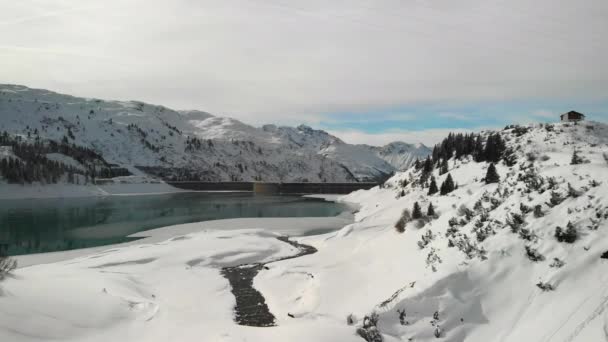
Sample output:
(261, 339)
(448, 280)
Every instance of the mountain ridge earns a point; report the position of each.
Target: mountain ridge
(135, 133)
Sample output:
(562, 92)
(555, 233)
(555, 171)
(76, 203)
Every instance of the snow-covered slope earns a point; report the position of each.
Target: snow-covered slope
(474, 272)
(402, 155)
(188, 143)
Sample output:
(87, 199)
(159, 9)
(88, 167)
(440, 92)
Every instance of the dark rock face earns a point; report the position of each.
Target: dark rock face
(605, 255)
(251, 308)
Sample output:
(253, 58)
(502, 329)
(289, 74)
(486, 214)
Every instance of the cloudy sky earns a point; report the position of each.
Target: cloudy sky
(367, 70)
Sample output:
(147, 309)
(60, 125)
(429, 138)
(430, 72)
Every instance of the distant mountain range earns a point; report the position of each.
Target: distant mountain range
(195, 144)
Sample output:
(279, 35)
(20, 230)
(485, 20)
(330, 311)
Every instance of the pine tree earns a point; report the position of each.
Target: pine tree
(492, 175)
(576, 159)
(428, 165)
(478, 149)
(447, 186)
(495, 147)
(430, 211)
(416, 212)
(433, 186)
(444, 167)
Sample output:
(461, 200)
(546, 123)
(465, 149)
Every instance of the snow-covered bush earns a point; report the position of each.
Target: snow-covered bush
(466, 212)
(369, 331)
(533, 181)
(426, 238)
(482, 231)
(569, 235)
(432, 259)
(533, 254)
(510, 158)
(572, 192)
(538, 211)
(515, 222)
(557, 263)
(402, 316)
(552, 183)
(545, 286)
(470, 249)
(556, 199)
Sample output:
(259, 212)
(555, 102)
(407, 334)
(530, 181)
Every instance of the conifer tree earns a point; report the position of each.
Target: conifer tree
(576, 159)
(492, 175)
(447, 186)
(444, 167)
(430, 211)
(416, 211)
(495, 147)
(428, 165)
(433, 187)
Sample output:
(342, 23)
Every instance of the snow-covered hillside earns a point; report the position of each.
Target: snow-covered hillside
(491, 264)
(193, 144)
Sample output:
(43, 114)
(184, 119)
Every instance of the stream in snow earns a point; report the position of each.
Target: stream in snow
(251, 308)
(48, 225)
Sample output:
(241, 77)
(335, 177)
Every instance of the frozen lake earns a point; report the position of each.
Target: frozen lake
(47, 225)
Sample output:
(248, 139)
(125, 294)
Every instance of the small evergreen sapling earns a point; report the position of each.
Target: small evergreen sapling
(533, 254)
(576, 158)
(416, 211)
(430, 211)
(538, 211)
(492, 175)
(444, 168)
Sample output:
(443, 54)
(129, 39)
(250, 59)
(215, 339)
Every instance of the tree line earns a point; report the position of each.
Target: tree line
(30, 163)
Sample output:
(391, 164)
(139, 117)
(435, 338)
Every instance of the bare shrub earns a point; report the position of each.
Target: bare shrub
(7, 265)
(405, 218)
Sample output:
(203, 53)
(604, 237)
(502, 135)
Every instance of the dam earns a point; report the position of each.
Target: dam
(275, 188)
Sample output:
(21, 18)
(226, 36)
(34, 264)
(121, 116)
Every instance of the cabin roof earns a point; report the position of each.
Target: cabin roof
(573, 112)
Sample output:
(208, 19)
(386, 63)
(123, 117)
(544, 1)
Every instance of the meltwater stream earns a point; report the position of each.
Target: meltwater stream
(251, 308)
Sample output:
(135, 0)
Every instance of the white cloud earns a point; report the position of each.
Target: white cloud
(289, 60)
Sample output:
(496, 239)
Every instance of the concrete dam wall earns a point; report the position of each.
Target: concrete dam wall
(275, 188)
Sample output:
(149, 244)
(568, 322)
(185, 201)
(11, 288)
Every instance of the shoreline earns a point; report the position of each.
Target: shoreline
(298, 227)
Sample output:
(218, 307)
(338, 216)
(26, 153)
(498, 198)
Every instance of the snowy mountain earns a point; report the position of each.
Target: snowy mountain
(194, 144)
(521, 259)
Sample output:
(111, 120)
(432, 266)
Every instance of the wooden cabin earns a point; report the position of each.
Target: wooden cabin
(572, 116)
